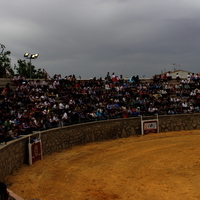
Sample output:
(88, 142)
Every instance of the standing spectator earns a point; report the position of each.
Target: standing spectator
(188, 77)
(178, 77)
(65, 118)
(168, 76)
(196, 77)
(108, 76)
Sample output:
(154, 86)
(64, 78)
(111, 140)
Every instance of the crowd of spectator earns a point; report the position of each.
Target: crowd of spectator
(36, 105)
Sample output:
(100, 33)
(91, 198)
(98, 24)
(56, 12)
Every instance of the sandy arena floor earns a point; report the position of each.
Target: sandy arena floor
(164, 166)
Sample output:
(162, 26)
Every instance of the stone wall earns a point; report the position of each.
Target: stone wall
(15, 153)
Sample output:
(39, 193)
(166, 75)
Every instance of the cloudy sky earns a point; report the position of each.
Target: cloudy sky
(93, 37)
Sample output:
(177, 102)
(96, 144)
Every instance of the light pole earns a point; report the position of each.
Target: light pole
(31, 56)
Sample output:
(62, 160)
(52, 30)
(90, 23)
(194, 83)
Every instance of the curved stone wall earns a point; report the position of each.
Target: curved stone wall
(15, 153)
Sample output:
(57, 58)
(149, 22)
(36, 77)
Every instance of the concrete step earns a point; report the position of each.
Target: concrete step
(4, 81)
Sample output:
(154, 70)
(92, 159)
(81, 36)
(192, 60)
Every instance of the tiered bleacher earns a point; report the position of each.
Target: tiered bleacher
(36, 105)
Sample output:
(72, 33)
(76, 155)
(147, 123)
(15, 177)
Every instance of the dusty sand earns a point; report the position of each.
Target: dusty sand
(164, 166)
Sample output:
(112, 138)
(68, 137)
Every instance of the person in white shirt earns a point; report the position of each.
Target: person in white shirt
(178, 77)
(65, 118)
(61, 106)
(188, 77)
(168, 76)
(55, 120)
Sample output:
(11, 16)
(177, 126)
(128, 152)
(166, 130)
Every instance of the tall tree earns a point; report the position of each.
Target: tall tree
(27, 70)
(5, 62)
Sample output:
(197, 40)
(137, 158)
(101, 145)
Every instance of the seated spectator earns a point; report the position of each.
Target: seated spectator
(156, 79)
(105, 114)
(55, 120)
(26, 127)
(47, 123)
(16, 121)
(7, 124)
(1, 135)
(7, 136)
(196, 77)
(13, 132)
(132, 79)
(164, 78)
(99, 114)
(34, 125)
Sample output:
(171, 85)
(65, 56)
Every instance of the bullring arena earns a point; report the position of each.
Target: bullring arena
(104, 157)
(155, 166)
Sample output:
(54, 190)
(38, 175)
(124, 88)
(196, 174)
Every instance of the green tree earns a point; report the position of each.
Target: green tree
(27, 70)
(5, 62)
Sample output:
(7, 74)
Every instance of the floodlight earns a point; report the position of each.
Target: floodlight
(32, 56)
(36, 55)
(26, 54)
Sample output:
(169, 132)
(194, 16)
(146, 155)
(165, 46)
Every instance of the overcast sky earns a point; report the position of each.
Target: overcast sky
(93, 37)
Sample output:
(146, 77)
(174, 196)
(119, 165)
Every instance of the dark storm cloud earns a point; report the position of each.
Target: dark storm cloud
(92, 37)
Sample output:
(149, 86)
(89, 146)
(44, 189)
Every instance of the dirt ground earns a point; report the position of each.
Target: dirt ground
(164, 166)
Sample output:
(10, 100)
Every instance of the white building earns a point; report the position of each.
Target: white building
(182, 73)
